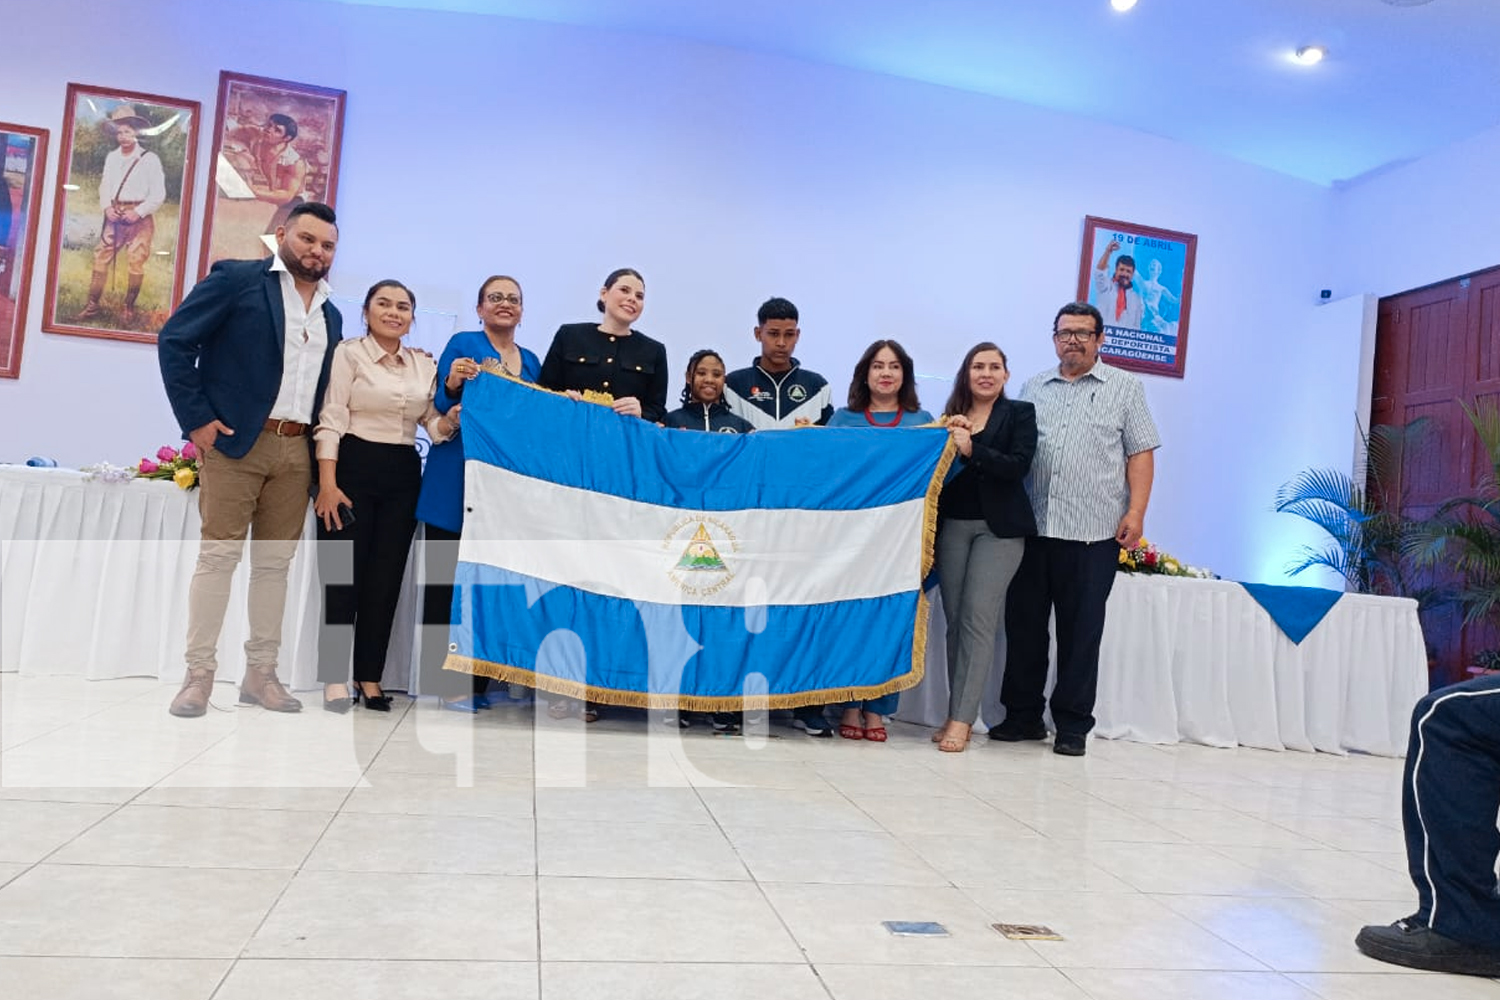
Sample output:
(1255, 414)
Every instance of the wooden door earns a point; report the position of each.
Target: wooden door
(1435, 346)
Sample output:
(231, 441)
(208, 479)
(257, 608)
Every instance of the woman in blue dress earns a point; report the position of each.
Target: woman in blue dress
(441, 505)
(883, 393)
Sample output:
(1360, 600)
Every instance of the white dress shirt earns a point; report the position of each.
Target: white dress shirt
(305, 339)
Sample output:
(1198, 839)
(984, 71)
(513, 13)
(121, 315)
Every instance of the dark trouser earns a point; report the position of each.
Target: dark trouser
(440, 556)
(382, 482)
(1072, 579)
(1448, 803)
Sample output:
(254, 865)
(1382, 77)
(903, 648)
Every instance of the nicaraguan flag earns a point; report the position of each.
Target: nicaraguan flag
(606, 558)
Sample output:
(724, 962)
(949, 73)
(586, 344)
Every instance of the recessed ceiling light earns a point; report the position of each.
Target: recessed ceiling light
(1122, 5)
(1310, 55)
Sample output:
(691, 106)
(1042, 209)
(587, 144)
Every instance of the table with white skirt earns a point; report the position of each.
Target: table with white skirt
(94, 580)
(1200, 661)
(94, 583)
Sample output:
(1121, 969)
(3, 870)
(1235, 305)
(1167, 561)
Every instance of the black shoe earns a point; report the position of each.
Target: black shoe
(810, 720)
(339, 706)
(1069, 745)
(374, 702)
(727, 723)
(1415, 946)
(1018, 732)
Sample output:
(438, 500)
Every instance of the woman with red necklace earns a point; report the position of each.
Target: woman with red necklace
(883, 393)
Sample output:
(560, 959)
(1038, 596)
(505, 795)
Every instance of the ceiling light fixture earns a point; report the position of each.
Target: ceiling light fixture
(1310, 55)
(1122, 5)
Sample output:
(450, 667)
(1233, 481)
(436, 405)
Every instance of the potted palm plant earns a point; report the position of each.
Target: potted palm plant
(1464, 533)
(1370, 542)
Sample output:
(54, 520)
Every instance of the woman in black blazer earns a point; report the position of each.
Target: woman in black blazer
(984, 516)
(609, 356)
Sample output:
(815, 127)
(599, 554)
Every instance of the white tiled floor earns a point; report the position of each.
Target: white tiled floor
(427, 854)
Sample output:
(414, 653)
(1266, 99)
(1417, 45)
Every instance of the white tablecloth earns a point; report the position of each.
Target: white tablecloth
(94, 580)
(1200, 661)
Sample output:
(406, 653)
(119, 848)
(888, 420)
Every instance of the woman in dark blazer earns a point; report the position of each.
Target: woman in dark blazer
(611, 357)
(984, 516)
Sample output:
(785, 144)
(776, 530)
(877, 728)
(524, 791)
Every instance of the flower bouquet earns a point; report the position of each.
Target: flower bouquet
(179, 466)
(1147, 558)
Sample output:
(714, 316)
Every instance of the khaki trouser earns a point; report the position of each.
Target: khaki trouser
(133, 237)
(263, 495)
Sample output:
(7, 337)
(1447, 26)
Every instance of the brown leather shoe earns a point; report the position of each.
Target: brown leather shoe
(192, 700)
(262, 687)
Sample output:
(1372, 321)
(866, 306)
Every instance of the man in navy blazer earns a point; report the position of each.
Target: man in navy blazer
(245, 361)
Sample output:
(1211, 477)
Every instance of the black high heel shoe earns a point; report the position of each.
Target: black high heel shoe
(374, 702)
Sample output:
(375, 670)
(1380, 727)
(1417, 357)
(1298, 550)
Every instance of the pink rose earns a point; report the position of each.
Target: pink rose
(146, 467)
(188, 451)
(166, 453)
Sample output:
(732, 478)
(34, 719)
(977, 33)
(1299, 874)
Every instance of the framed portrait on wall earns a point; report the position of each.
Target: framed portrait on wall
(276, 145)
(1141, 279)
(120, 217)
(23, 160)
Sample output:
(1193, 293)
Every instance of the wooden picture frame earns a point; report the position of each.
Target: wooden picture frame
(119, 256)
(23, 162)
(1144, 292)
(276, 145)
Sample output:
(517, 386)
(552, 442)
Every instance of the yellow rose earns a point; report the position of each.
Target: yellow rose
(185, 477)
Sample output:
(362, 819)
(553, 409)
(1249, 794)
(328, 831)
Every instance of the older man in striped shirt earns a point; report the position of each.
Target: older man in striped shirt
(1089, 485)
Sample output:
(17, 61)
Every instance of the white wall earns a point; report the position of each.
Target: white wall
(1420, 223)
(882, 207)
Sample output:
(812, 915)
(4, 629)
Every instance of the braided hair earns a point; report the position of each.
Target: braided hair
(692, 366)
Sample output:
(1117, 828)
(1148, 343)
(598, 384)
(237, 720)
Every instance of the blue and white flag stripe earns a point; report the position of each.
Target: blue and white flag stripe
(592, 448)
(613, 545)
(697, 656)
(608, 558)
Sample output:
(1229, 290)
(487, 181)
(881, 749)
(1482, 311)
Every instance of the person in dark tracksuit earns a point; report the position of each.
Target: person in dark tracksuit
(775, 393)
(1449, 798)
(703, 409)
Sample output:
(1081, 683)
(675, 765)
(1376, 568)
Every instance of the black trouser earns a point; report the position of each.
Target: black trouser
(440, 557)
(382, 482)
(1448, 804)
(1072, 579)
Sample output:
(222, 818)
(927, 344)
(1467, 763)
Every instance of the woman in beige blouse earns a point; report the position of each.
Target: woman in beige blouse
(369, 476)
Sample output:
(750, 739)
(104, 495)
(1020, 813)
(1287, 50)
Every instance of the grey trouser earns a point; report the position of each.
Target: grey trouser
(974, 572)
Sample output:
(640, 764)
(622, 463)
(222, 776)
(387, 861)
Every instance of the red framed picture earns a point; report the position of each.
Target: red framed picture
(276, 145)
(23, 161)
(120, 217)
(1141, 279)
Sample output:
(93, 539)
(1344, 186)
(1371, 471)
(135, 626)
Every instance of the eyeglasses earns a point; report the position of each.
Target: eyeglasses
(1075, 336)
(495, 298)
